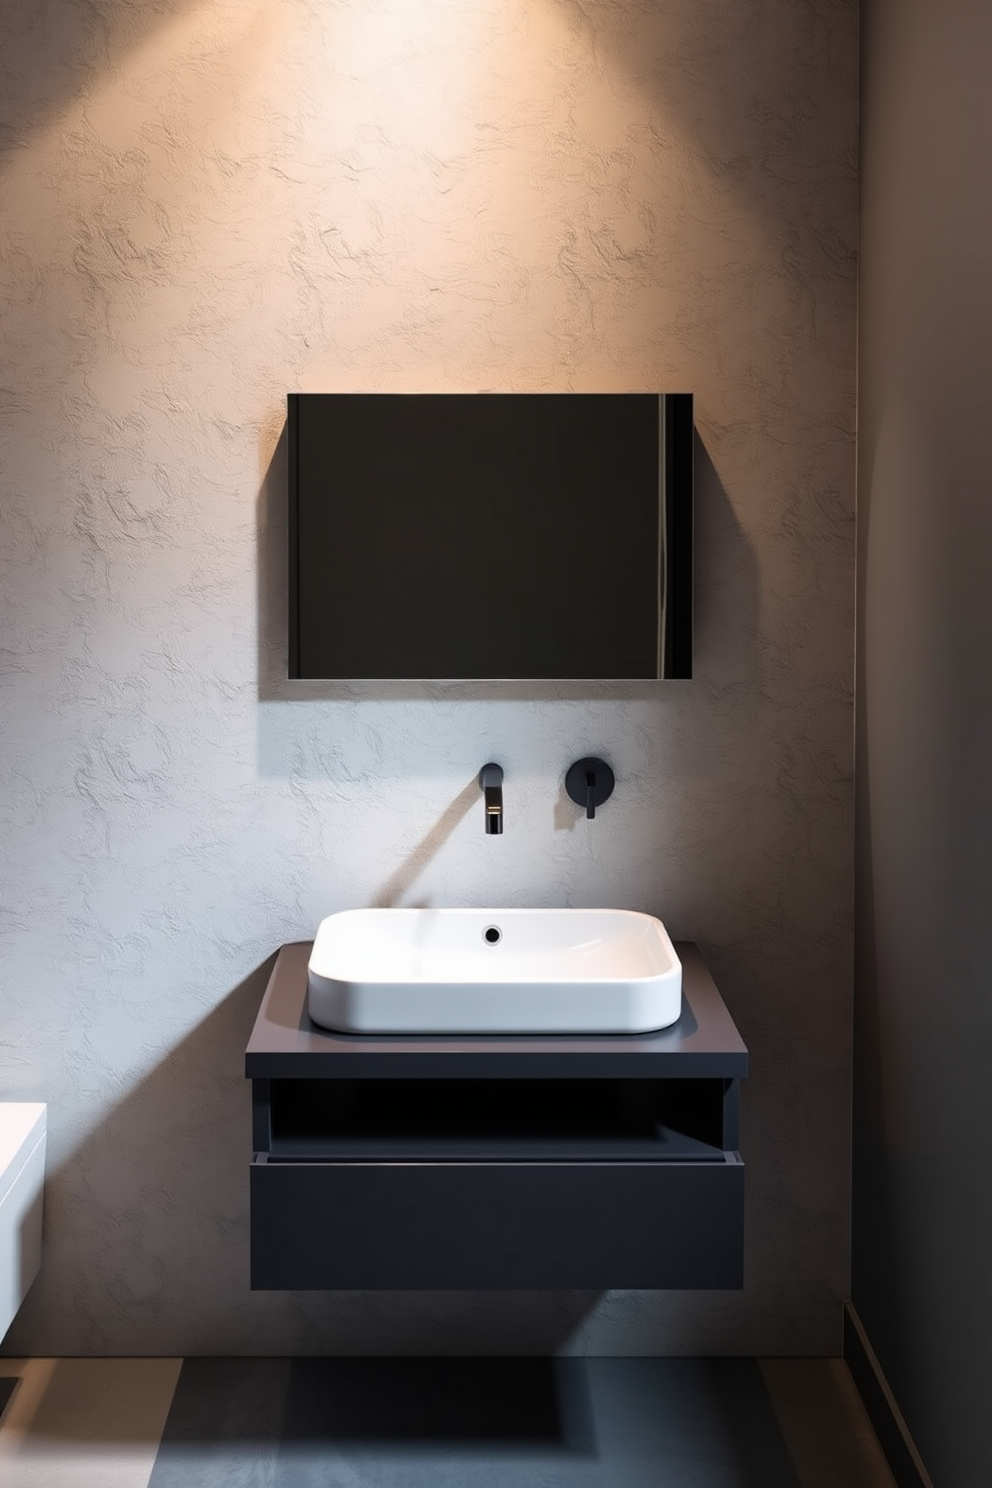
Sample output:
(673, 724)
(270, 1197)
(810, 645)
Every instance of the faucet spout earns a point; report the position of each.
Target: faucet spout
(491, 784)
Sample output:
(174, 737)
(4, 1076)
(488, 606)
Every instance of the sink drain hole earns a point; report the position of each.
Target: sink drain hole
(492, 935)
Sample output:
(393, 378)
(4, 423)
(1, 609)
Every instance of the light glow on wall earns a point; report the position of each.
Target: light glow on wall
(211, 202)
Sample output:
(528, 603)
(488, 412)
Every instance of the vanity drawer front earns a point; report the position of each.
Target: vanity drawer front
(457, 1225)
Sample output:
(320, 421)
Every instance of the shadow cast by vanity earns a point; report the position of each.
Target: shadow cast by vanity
(565, 1423)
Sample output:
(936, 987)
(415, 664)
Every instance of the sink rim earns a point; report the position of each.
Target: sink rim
(644, 930)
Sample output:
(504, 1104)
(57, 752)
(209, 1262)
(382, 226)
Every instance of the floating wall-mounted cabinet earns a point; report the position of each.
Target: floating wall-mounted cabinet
(493, 1162)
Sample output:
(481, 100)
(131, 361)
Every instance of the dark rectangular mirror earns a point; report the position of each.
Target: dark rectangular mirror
(490, 535)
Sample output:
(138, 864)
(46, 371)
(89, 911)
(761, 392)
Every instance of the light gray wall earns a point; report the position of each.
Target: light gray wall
(206, 205)
(923, 1195)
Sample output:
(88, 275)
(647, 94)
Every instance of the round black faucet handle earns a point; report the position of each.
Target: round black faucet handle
(589, 782)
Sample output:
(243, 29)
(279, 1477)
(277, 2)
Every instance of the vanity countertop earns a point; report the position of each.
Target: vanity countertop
(285, 1043)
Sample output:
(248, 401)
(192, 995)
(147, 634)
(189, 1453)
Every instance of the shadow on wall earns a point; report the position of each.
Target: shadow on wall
(719, 538)
(719, 70)
(147, 1195)
(397, 886)
(151, 1215)
(54, 53)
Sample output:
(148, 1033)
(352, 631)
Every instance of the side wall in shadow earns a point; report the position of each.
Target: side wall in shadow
(922, 1225)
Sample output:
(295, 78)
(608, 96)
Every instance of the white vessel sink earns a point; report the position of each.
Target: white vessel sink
(493, 971)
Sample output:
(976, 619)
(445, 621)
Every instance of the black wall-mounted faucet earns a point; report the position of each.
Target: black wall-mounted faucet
(491, 782)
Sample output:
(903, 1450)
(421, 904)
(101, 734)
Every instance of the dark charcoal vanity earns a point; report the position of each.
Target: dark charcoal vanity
(495, 1162)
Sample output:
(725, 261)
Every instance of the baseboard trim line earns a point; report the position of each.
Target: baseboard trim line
(887, 1419)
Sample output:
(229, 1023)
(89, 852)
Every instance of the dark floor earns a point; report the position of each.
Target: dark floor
(529, 1423)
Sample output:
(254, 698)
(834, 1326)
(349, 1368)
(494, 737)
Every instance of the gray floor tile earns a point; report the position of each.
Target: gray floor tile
(84, 1423)
(474, 1423)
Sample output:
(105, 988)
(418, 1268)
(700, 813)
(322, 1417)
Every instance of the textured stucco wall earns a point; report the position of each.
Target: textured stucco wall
(207, 204)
